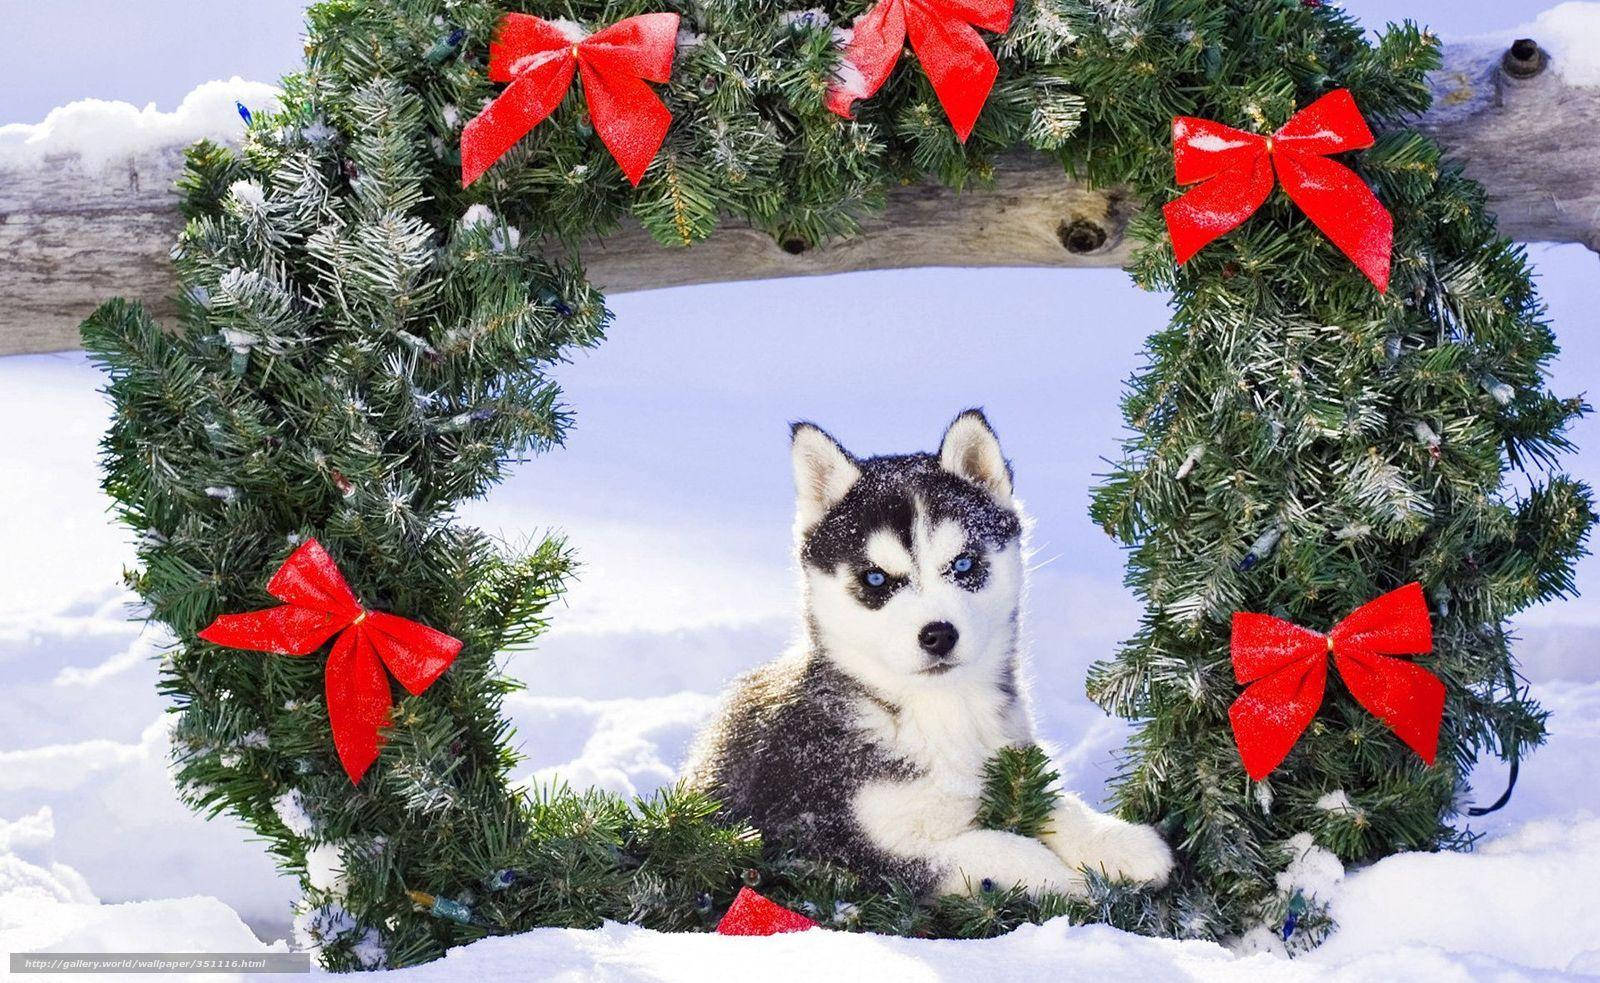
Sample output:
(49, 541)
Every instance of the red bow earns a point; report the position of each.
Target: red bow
(1287, 669)
(957, 61)
(538, 59)
(319, 606)
(1237, 170)
(751, 914)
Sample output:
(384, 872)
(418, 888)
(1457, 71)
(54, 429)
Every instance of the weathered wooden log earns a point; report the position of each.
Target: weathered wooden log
(1527, 136)
(72, 234)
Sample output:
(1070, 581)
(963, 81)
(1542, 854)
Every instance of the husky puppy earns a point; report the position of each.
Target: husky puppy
(866, 746)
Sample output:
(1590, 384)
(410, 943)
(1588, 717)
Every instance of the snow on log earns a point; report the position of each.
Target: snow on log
(87, 209)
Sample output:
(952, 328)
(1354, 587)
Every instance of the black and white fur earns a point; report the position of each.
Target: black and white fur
(867, 745)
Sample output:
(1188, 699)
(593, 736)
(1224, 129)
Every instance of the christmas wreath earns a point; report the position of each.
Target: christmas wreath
(374, 286)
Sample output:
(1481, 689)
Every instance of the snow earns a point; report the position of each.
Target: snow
(628, 746)
(249, 194)
(676, 595)
(1210, 143)
(291, 810)
(34, 881)
(47, 905)
(505, 239)
(502, 237)
(847, 78)
(1054, 951)
(1522, 897)
(325, 868)
(314, 925)
(476, 215)
(1314, 872)
(104, 133)
(570, 29)
(193, 924)
(1336, 801)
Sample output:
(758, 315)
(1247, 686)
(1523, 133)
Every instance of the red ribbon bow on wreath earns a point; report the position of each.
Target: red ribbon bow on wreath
(1237, 170)
(319, 606)
(751, 914)
(957, 61)
(538, 59)
(1286, 667)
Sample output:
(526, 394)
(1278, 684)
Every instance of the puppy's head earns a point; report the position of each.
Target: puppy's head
(912, 563)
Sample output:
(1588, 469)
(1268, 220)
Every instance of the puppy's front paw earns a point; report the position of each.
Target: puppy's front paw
(1120, 850)
(984, 859)
(1137, 853)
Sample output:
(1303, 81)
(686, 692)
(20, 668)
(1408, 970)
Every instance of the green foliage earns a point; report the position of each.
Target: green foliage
(1340, 443)
(359, 350)
(1018, 791)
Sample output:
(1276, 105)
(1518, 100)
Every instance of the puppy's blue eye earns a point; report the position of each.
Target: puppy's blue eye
(962, 564)
(875, 578)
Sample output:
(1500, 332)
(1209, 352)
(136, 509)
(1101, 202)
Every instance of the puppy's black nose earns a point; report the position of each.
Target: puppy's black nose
(937, 638)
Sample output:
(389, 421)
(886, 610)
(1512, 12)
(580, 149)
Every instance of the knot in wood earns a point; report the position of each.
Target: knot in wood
(1081, 236)
(1524, 59)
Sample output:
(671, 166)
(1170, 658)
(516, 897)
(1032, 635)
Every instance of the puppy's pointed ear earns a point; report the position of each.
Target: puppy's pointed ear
(823, 473)
(971, 450)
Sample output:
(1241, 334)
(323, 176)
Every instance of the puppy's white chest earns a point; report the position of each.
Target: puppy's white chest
(949, 736)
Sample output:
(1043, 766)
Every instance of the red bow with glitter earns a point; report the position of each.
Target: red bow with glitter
(751, 914)
(318, 606)
(1237, 170)
(538, 59)
(1286, 667)
(942, 34)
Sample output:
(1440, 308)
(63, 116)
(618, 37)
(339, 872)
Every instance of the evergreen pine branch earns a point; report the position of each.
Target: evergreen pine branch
(1019, 792)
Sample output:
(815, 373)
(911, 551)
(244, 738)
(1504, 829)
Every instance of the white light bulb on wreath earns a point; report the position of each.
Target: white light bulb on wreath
(1261, 548)
(1500, 391)
(1195, 454)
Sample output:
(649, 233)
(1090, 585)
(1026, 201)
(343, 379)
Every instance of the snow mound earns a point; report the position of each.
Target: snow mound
(29, 875)
(1518, 898)
(1055, 951)
(103, 133)
(193, 924)
(106, 807)
(629, 746)
(47, 905)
